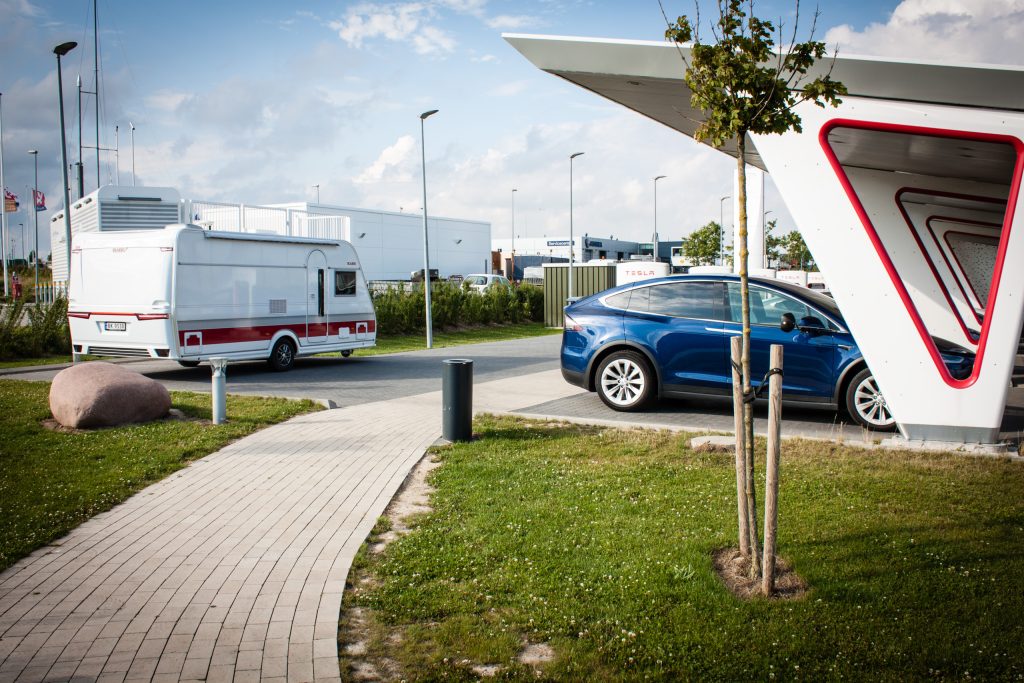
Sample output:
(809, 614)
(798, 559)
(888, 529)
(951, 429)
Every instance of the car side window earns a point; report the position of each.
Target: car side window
(620, 300)
(766, 306)
(701, 300)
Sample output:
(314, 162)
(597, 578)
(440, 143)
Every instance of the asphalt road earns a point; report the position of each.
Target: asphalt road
(358, 379)
(363, 379)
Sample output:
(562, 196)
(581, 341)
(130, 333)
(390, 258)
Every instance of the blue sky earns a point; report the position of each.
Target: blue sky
(257, 101)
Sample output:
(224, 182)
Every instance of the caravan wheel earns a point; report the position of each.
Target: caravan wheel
(282, 356)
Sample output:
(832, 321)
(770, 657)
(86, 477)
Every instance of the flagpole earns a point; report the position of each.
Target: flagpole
(3, 211)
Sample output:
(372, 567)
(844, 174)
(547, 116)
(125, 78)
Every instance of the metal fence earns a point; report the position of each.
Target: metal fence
(47, 292)
(268, 220)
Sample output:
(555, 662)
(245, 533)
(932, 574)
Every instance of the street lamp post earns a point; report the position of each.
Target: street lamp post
(426, 241)
(572, 243)
(3, 202)
(317, 187)
(60, 51)
(655, 250)
(513, 234)
(721, 228)
(132, 127)
(35, 211)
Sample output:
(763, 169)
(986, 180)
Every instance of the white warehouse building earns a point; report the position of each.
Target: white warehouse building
(389, 244)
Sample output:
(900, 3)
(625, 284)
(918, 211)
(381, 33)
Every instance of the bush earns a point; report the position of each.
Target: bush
(401, 312)
(45, 332)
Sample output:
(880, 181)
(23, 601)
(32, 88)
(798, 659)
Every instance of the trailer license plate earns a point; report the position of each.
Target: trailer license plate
(115, 327)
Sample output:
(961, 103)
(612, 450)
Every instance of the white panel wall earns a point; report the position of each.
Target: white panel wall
(925, 404)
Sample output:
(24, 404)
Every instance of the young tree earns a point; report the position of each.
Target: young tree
(702, 245)
(797, 253)
(743, 86)
(772, 244)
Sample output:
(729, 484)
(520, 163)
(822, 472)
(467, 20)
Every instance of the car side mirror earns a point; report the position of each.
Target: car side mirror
(788, 323)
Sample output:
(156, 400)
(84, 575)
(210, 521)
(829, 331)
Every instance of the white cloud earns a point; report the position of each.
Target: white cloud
(396, 23)
(485, 59)
(509, 89)
(949, 30)
(166, 100)
(509, 22)
(396, 161)
(19, 7)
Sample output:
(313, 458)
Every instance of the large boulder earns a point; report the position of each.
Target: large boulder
(98, 394)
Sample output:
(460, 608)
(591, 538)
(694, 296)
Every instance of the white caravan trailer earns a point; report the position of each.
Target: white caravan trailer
(189, 294)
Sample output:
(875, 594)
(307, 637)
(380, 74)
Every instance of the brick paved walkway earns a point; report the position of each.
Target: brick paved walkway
(234, 567)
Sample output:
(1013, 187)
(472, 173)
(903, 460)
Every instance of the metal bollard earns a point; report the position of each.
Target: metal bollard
(218, 386)
(457, 399)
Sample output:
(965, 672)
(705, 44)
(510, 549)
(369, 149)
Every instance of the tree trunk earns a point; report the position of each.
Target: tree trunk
(771, 473)
(735, 354)
(748, 408)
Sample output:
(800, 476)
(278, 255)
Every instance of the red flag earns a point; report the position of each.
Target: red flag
(39, 199)
(10, 201)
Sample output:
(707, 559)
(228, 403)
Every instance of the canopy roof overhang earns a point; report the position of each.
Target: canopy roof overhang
(647, 77)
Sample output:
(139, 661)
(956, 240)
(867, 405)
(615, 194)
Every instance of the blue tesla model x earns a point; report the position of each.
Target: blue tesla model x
(669, 337)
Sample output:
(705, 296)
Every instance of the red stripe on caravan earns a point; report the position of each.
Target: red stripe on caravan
(254, 333)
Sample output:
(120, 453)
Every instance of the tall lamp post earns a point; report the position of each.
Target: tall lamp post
(426, 242)
(35, 210)
(513, 278)
(572, 243)
(60, 51)
(721, 228)
(132, 127)
(3, 202)
(655, 250)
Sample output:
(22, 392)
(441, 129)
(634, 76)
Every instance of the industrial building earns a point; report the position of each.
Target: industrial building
(389, 244)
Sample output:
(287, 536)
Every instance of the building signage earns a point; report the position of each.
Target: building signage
(559, 243)
(595, 243)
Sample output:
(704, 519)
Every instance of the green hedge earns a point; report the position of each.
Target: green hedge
(401, 312)
(45, 332)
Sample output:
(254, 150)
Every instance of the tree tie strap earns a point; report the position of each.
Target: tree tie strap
(751, 395)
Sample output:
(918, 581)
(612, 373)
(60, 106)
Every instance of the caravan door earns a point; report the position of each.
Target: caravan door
(316, 300)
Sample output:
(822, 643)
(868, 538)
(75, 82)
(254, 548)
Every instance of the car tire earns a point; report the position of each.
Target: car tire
(866, 405)
(188, 363)
(282, 356)
(625, 381)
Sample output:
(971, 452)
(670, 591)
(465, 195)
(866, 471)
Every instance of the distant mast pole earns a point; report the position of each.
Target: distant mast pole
(96, 73)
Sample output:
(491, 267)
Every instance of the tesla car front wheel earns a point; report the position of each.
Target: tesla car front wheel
(866, 404)
(625, 381)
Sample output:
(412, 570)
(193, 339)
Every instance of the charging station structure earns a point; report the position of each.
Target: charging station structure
(906, 194)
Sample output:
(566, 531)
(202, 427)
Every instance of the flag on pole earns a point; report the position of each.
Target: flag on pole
(39, 199)
(10, 201)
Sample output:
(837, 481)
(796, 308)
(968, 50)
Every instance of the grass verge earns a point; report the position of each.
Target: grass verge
(468, 335)
(598, 543)
(51, 481)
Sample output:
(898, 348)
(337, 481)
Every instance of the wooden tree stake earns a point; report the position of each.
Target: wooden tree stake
(771, 472)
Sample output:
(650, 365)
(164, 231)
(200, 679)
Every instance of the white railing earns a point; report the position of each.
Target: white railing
(47, 293)
(271, 220)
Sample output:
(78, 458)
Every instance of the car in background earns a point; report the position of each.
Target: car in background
(481, 282)
(669, 337)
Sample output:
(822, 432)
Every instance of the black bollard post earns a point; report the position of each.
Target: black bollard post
(457, 399)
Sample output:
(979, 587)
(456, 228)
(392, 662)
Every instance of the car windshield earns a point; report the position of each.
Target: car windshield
(475, 280)
(817, 299)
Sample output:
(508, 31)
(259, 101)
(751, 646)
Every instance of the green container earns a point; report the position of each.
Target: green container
(587, 280)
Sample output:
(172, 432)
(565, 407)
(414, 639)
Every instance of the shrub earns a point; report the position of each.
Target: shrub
(402, 312)
(47, 331)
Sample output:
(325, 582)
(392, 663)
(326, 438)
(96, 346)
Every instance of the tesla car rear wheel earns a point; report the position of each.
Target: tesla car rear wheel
(625, 381)
(866, 405)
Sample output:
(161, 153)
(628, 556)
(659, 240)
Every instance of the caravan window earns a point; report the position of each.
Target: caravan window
(344, 283)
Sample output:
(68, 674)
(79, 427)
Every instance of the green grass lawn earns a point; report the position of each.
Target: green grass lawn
(598, 543)
(52, 481)
(469, 335)
(25, 362)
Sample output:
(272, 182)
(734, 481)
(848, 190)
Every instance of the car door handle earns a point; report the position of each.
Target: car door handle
(722, 330)
(843, 347)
